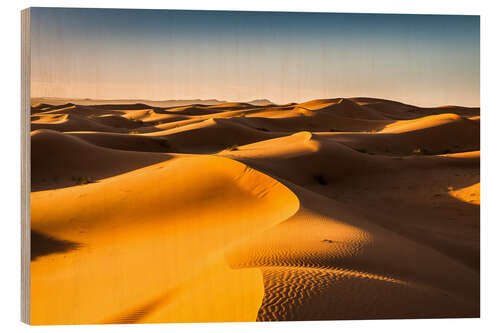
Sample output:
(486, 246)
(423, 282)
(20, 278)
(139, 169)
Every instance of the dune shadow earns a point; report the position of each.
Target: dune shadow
(42, 245)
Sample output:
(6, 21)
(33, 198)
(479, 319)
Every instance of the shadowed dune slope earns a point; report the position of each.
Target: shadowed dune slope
(73, 122)
(195, 110)
(305, 158)
(407, 195)
(313, 120)
(441, 134)
(133, 142)
(326, 262)
(398, 110)
(233, 106)
(60, 160)
(47, 108)
(117, 121)
(342, 107)
(211, 135)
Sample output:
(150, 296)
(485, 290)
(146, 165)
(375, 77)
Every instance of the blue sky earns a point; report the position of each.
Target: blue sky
(239, 56)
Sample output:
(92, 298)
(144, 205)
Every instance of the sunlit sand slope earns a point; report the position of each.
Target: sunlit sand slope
(148, 245)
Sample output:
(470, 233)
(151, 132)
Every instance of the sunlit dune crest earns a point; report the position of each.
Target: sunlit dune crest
(342, 208)
(470, 194)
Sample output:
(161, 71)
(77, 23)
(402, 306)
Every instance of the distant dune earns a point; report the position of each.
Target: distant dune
(261, 102)
(206, 210)
(87, 101)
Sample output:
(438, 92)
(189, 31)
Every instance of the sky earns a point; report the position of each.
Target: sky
(425, 60)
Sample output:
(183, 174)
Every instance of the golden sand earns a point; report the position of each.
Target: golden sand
(330, 209)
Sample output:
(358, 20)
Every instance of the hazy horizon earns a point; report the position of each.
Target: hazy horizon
(426, 60)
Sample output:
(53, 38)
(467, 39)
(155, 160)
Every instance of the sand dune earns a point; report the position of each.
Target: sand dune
(470, 194)
(261, 102)
(47, 108)
(88, 101)
(398, 110)
(373, 181)
(344, 208)
(191, 224)
(118, 121)
(305, 158)
(211, 135)
(431, 135)
(318, 252)
(193, 110)
(60, 160)
(314, 121)
(66, 123)
(131, 142)
(425, 123)
(343, 107)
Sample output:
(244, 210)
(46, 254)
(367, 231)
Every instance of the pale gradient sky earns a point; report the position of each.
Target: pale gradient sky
(426, 60)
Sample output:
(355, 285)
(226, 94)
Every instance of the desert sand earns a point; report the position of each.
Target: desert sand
(345, 208)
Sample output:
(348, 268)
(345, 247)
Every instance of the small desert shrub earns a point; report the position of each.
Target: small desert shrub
(164, 143)
(362, 150)
(422, 151)
(320, 179)
(426, 151)
(232, 148)
(82, 180)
